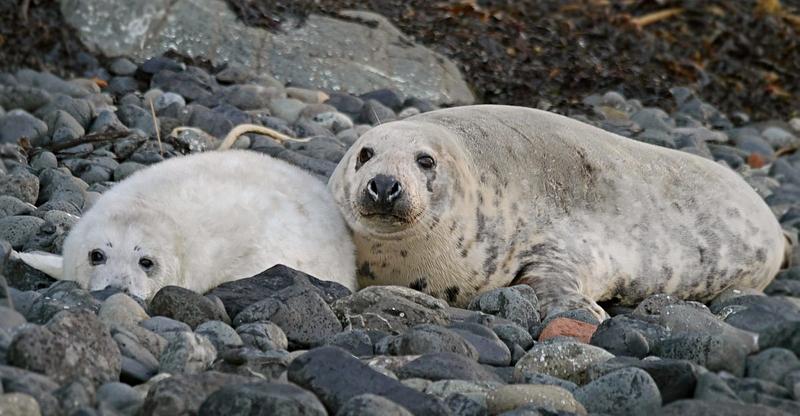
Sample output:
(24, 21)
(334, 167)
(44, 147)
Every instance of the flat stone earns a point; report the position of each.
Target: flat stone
(262, 398)
(322, 370)
(377, 55)
(426, 338)
(120, 309)
(446, 366)
(389, 309)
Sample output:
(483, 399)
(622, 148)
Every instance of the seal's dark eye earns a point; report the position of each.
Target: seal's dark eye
(426, 161)
(363, 156)
(146, 263)
(97, 257)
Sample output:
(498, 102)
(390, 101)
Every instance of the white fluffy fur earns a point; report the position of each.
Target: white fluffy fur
(206, 219)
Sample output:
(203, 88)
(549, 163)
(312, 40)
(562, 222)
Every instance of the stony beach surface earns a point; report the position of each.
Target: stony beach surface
(283, 342)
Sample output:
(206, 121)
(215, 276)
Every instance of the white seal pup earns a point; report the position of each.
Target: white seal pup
(459, 201)
(200, 220)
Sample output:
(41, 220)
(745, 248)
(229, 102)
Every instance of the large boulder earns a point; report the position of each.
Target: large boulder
(360, 54)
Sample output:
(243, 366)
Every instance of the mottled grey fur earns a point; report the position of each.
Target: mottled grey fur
(580, 214)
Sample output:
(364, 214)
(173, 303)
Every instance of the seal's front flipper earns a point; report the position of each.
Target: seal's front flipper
(559, 294)
(50, 264)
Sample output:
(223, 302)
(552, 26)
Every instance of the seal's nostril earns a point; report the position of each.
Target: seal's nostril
(372, 188)
(395, 191)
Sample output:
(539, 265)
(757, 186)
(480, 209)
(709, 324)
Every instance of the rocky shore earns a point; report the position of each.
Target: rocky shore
(283, 342)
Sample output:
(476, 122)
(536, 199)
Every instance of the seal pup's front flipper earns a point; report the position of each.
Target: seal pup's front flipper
(50, 264)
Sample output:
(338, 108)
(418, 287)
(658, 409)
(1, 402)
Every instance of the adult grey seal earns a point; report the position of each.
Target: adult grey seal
(458, 201)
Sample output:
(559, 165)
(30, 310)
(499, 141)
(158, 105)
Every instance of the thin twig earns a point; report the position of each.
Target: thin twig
(89, 138)
(155, 125)
(23, 10)
(654, 17)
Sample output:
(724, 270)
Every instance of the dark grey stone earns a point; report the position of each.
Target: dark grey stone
(23, 97)
(186, 306)
(516, 303)
(239, 294)
(446, 366)
(64, 295)
(74, 396)
(136, 117)
(426, 338)
(772, 364)
(262, 398)
(346, 103)
(675, 379)
(120, 397)
(38, 386)
(122, 66)
(73, 344)
(301, 312)
(122, 85)
(183, 394)
(269, 365)
(374, 113)
(491, 350)
(711, 351)
(192, 84)
(322, 371)
(18, 124)
(717, 408)
(389, 97)
(12, 206)
(356, 342)
(711, 387)
(627, 336)
(372, 405)
(80, 109)
(264, 336)
(628, 391)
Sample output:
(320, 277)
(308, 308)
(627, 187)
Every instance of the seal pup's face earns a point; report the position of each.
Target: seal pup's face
(396, 177)
(122, 253)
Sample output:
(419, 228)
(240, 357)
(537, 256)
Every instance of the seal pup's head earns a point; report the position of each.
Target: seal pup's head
(132, 248)
(397, 177)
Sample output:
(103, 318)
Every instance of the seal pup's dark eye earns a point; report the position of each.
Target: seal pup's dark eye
(97, 257)
(146, 264)
(426, 161)
(364, 156)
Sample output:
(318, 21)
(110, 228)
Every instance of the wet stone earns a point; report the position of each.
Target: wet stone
(629, 391)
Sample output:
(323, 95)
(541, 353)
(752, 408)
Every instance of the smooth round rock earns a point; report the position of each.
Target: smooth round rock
(629, 391)
(510, 397)
(565, 360)
(120, 309)
(220, 334)
(18, 404)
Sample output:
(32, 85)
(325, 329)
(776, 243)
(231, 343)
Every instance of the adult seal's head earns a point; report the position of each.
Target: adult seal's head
(400, 179)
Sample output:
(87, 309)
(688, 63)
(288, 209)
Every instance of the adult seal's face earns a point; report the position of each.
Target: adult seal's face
(397, 178)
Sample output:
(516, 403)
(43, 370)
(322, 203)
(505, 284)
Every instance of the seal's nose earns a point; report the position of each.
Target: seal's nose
(384, 190)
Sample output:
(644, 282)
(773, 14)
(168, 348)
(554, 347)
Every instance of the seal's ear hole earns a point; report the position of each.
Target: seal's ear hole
(97, 257)
(364, 155)
(426, 161)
